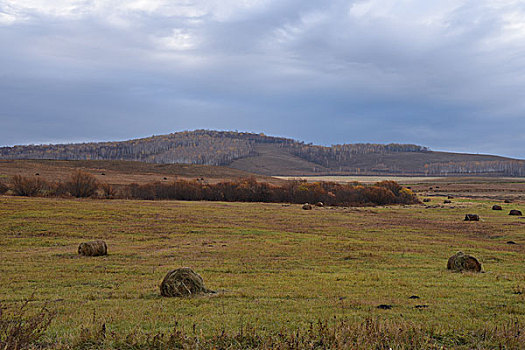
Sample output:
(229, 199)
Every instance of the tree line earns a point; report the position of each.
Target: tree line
(82, 184)
(206, 147)
(498, 167)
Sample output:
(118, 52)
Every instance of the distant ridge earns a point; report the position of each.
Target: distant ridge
(270, 155)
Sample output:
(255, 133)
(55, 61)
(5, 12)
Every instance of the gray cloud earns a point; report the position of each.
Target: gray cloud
(445, 74)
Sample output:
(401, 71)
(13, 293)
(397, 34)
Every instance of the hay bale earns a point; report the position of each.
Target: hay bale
(497, 207)
(515, 212)
(93, 248)
(426, 200)
(450, 197)
(446, 201)
(463, 262)
(471, 217)
(182, 282)
(507, 201)
(307, 206)
(319, 204)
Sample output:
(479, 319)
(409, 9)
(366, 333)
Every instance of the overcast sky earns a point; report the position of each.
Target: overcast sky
(448, 74)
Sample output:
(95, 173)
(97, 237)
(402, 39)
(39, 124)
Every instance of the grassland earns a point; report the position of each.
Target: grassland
(275, 267)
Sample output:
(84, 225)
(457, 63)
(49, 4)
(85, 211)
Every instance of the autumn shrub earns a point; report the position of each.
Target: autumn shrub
(146, 191)
(379, 195)
(28, 186)
(82, 184)
(3, 188)
(406, 196)
(107, 191)
(250, 190)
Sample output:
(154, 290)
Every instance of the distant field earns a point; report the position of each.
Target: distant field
(276, 267)
(364, 179)
(406, 179)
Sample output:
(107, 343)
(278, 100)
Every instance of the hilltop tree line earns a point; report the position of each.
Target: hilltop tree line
(507, 167)
(190, 148)
(209, 147)
(341, 155)
(206, 147)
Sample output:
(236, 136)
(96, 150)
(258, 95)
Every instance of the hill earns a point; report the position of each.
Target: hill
(258, 153)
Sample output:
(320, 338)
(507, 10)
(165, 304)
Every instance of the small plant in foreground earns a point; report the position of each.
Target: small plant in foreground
(19, 329)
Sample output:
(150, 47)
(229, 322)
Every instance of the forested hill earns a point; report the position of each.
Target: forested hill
(274, 155)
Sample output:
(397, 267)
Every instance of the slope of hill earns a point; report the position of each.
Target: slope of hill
(268, 155)
(123, 172)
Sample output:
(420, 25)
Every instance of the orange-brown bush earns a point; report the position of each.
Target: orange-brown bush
(3, 188)
(107, 191)
(249, 190)
(28, 186)
(82, 184)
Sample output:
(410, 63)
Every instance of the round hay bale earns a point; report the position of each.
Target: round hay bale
(446, 201)
(307, 206)
(319, 204)
(515, 212)
(471, 217)
(497, 207)
(463, 262)
(93, 248)
(182, 282)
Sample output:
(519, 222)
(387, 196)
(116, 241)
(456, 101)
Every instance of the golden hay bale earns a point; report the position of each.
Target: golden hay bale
(182, 282)
(463, 262)
(307, 206)
(515, 212)
(93, 248)
(471, 217)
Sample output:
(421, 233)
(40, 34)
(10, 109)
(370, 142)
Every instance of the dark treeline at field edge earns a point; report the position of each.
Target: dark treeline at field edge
(83, 184)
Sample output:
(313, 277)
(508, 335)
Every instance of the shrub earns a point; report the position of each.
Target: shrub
(82, 184)
(28, 186)
(391, 185)
(107, 191)
(19, 329)
(3, 188)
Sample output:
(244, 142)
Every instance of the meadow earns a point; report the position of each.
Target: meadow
(276, 269)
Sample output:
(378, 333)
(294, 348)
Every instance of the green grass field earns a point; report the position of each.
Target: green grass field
(275, 267)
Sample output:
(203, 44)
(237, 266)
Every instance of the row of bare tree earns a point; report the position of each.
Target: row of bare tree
(82, 184)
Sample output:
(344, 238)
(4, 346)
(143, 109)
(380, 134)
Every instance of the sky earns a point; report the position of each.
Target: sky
(447, 74)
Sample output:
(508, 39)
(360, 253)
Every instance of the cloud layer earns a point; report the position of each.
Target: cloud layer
(445, 74)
